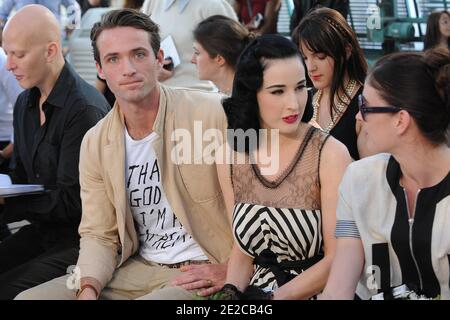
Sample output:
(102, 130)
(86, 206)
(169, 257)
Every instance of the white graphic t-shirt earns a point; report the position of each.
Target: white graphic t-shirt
(162, 237)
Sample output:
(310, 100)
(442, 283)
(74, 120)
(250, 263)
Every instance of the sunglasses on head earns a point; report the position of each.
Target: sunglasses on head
(375, 109)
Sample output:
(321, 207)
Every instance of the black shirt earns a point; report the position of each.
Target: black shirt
(345, 129)
(414, 241)
(49, 154)
(108, 94)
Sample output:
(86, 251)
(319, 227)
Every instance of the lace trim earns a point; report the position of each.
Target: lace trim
(288, 170)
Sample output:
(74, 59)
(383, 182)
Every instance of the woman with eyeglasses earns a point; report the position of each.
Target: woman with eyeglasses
(337, 68)
(393, 215)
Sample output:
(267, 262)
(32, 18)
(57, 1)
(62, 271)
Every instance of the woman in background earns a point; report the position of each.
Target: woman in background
(438, 31)
(337, 68)
(219, 41)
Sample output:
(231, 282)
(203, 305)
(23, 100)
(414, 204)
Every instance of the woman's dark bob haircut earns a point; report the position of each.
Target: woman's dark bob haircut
(326, 31)
(242, 108)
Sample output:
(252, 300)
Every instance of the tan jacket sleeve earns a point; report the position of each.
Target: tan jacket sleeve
(99, 244)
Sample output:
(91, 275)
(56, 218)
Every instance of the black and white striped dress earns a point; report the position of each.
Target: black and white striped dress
(280, 219)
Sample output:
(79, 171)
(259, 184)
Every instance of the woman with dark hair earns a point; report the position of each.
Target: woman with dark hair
(394, 232)
(438, 30)
(219, 41)
(337, 68)
(283, 205)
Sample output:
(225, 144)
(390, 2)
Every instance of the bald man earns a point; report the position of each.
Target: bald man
(50, 119)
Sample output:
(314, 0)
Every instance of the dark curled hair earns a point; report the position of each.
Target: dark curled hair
(242, 108)
(326, 31)
(220, 35)
(433, 34)
(125, 18)
(419, 83)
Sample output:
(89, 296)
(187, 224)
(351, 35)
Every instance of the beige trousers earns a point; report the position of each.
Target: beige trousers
(135, 279)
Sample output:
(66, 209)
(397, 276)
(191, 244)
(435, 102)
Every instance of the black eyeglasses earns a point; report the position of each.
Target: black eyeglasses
(382, 109)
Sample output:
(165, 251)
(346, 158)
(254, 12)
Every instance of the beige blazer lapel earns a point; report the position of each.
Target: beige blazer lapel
(159, 128)
(164, 126)
(115, 165)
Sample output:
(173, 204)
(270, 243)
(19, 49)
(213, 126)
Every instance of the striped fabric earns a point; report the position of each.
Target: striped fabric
(292, 234)
(346, 229)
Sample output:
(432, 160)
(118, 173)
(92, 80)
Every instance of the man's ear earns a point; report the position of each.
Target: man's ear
(100, 70)
(52, 51)
(160, 56)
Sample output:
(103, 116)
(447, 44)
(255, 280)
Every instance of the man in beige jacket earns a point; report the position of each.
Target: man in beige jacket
(151, 227)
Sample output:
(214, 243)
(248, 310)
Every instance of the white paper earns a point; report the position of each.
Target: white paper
(168, 46)
(8, 189)
(5, 180)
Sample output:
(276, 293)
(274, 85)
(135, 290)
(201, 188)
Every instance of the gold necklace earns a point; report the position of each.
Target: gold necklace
(341, 104)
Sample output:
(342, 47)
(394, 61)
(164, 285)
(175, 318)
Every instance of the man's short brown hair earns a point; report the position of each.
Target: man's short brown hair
(125, 18)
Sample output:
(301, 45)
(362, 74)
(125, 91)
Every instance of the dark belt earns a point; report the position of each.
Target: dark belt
(268, 259)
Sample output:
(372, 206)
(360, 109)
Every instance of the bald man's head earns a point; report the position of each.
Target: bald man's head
(36, 23)
(31, 39)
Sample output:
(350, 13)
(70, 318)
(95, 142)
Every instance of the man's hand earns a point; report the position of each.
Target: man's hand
(87, 294)
(209, 278)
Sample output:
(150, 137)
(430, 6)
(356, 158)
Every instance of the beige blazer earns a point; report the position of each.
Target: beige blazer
(108, 235)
